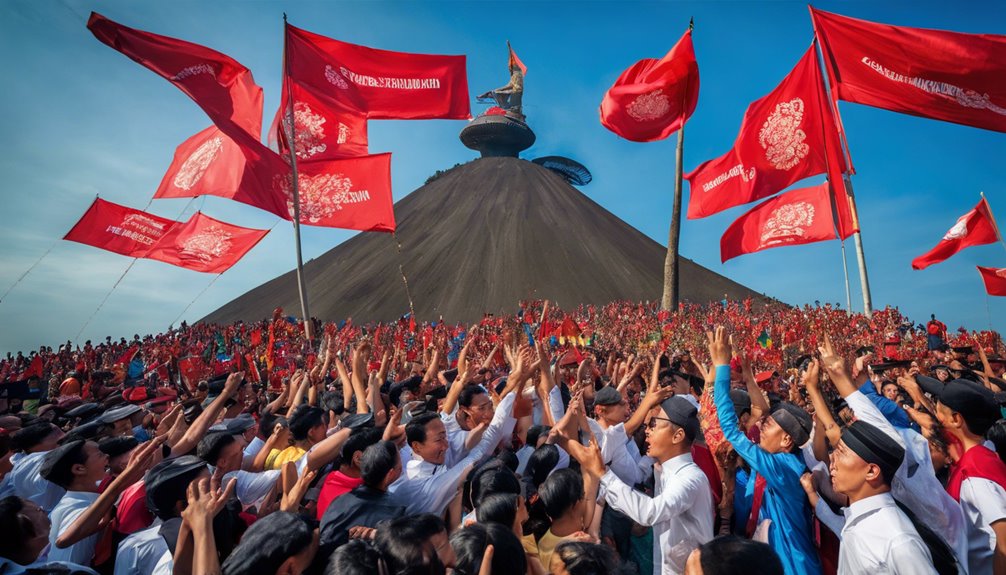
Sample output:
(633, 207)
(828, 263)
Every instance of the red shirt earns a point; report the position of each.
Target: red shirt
(336, 485)
(132, 514)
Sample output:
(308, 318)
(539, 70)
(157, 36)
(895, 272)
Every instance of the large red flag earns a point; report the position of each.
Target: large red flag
(796, 217)
(653, 98)
(204, 244)
(381, 83)
(995, 280)
(785, 137)
(323, 129)
(210, 163)
(974, 228)
(930, 73)
(119, 229)
(350, 193)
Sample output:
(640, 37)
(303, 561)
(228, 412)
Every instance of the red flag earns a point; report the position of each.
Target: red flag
(119, 229)
(935, 74)
(974, 228)
(323, 129)
(514, 60)
(653, 99)
(381, 83)
(796, 217)
(127, 356)
(350, 193)
(212, 164)
(782, 140)
(204, 244)
(995, 280)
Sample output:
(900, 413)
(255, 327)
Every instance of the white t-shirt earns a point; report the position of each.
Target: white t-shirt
(984, 503)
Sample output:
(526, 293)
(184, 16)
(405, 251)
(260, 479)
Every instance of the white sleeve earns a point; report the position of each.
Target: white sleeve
(649, 510)
(555, 403)
(252, 487)
(865, 410)
(831, 520)
(909, 556)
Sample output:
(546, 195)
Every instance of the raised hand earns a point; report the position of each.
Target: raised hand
(720, 350)
(291, 498)
(812, 376)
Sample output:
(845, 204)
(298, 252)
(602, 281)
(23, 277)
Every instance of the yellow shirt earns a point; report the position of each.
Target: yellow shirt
(547, 545)
(277, 458)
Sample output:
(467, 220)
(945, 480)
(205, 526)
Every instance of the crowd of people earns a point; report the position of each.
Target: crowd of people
(736, 437)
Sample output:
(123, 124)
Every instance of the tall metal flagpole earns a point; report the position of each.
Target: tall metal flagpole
(864, 278)
(669, 300)
(291, 143)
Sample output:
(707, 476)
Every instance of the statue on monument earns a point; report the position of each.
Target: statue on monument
(509, 97)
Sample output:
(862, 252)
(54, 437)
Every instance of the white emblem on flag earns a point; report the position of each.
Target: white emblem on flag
(334, 78)
(321, 196)
(648, 107)
(194, 71)
(309, 131)
(782, 137)
(343, 134)
(196, 164)
(787, 222)
(210, 243)
(960, 229)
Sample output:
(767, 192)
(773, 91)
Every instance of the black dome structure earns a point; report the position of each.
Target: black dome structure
(497, 135)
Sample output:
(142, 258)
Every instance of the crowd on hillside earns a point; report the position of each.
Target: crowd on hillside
(736, 437)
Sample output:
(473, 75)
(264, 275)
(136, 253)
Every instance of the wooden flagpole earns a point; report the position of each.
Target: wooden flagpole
(671, 295)
(292, 145)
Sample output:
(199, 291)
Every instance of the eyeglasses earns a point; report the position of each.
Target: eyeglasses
(652, 424)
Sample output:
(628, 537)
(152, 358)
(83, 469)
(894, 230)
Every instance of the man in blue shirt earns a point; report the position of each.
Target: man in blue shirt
(777, 466)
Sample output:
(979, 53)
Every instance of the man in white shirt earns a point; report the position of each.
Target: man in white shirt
(26, 537)
(223, 452)
(681, 511)
(78, 467)
(33, 443)
(877, 537)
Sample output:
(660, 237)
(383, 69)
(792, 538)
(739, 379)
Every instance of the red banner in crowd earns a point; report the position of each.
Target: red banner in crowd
(782, 140)
(381, 83)
(935, 74)
(211, 164)
(204, 244)
(995, 280)
(796, 217)
(119, 229)
(653, 99)
(322, 129)
(974, 228)
(193, 369)
(349, 193)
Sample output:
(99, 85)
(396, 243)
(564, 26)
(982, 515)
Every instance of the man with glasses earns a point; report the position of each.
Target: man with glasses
(681, 510)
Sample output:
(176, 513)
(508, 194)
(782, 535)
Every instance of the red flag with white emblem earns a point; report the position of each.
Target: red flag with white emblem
(974, 228)
(653, 98)
(204, 244)
(119, 229)
(796, 217)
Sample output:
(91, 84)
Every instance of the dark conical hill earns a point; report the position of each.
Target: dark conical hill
(480, 238)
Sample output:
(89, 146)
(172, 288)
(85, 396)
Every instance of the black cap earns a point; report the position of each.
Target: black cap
(794, 421)
(85, 411)
(963, 349)
(118, 413)
(874, 446)
(975, 402)
(741, 401)
(115, 446)
(236, 425)
(89, 430)
(58, 461)
(358, 421)
(167, 482)
(891, 364)
(395, 391)
(450, 375)
(682, 413)
(439, 392)
(607, 396)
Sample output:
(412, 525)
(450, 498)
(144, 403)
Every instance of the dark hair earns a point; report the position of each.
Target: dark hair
(404, 543)
(62, 473)
(377, 461)
(357, 557)
(509, 459)
(470, 545)
(211, 446)
(332, 401)
(542, 461)
(468, 395)
(498, 508)
(17, 528)
(415, 430)
(587, 558)
(997, 435)
(261, 551)
(359, 440)
(303, 419)
(491, 479)
(266, 422)
(561, 492)
(731, 554)
(28, 437)
(534, 433)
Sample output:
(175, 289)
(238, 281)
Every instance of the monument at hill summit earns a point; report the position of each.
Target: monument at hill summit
(482, 236)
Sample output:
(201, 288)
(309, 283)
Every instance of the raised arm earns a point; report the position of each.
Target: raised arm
(359, 376)
(208, 417)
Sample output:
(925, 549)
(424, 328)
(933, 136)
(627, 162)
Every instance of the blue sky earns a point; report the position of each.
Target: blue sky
(81, 119)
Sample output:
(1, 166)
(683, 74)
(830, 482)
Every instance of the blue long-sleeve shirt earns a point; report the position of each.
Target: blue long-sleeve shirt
(784, 501)
(892, 411)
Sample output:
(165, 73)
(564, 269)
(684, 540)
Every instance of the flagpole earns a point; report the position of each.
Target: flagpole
(292, 144)
(857, 237)
(845, 270)
(992, 217)
(671, 296)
